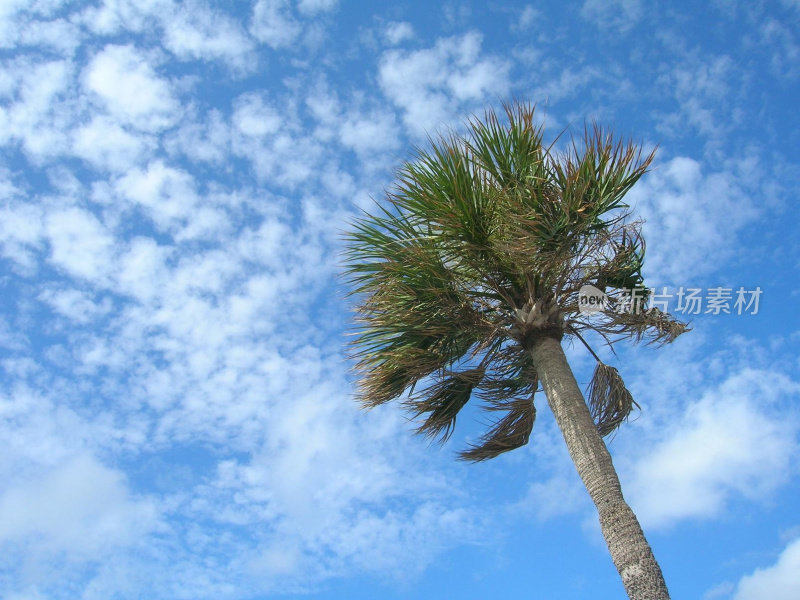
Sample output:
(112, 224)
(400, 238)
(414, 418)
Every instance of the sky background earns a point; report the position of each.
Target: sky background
(176, 409)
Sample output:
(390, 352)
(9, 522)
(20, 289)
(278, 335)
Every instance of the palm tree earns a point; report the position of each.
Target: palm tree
(470, 277)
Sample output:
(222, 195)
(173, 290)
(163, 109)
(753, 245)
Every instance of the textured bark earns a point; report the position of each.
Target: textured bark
(627, 545)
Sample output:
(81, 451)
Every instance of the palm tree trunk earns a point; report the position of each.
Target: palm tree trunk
(627, 545)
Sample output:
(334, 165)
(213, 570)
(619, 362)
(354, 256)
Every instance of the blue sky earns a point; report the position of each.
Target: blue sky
(176, 411)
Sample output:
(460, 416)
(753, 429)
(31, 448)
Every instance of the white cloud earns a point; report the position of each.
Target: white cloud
(167, 195)
(74, 304)
(339, 523)
(196, 31)
(266, 243)
(780, 581)
(729, 442)
(190, 30)
(456, 14)
(11, 338)
(205, 139)
(781, 40)
(21, 231)
(107, 145)
(5, 132)
(370, 132)
(692, 219)
(273, 23)
(8, 80)
(8, 10)
(398, 31)
(722, 590)
(142, 269)
(326, 110)
(305, 485)
(616, 14)
(273, 140)
(131, 90)
(113, 16)
(527, 17)
(10, 22)
(561, 494)
(313, 7)
(59, 35)
(47, 8)
(253, 116)
(39, 117)
(703, 88)
(569, 83)
(79, 243)
(431, 85)
(80, 507)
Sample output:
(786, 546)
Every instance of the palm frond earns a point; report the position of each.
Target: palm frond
(609, 400)
(648, 324)
(442, 402)
(510, 374)
(624, 262)
(508, 433)
(593, 177)
(511, 154)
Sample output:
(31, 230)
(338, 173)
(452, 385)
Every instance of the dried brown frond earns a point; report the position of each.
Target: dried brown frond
(385, 378)
(442, 402)
(509, 433)
(512, 375)
(652, 325)
(609, 400)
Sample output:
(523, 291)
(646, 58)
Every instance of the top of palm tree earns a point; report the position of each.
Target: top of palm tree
(485, 243)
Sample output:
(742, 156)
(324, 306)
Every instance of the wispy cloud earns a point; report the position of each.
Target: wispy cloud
(617, 14)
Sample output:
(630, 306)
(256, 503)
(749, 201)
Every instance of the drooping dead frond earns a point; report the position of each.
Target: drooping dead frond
(609, 400)
(512, 375)
(388, 374)
(652, 325)
(508, 433)
(442, 401)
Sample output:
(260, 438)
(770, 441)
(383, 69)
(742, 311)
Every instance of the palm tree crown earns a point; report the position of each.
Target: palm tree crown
(485, 244)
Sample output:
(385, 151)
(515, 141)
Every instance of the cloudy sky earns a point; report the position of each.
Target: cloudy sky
(176, 411)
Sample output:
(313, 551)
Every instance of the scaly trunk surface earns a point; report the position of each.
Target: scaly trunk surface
(629, 549)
